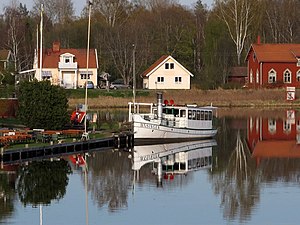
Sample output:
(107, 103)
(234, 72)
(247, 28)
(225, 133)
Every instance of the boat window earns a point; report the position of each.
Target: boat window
(194, 115)
(175, 112)
(190, 114)
(210, 115)
(206, 115)
(198, 115)
(202, 115)
(182, 113)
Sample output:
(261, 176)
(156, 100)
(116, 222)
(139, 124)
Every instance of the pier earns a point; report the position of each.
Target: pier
(118, 141)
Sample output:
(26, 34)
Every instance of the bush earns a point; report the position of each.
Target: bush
(42, 105)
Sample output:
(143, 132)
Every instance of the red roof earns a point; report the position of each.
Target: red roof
(277, 149)
(51, 58)
(154, 65)
(276, 52)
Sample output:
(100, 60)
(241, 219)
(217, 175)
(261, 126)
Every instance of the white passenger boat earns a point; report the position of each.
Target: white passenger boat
(169, 121)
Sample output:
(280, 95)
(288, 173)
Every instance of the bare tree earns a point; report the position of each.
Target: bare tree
(58, 11)
(283, 20)
(201, 19)
(112, 10)
(15, 19)
(237, 15)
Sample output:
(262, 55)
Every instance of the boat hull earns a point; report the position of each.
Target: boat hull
(153, 131)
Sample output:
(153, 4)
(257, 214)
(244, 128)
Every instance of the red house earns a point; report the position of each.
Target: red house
(273, 65)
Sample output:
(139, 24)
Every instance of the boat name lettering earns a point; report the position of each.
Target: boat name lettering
(149, 157)
(150, 126)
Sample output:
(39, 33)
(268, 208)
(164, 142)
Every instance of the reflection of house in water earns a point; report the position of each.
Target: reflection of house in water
(174, 158)
(274, 138)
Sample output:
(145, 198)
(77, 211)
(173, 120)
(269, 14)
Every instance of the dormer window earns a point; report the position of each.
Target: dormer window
(68, 59)
(298, 62)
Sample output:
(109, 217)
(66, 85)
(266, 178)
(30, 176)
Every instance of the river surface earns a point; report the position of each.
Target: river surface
(248, 174)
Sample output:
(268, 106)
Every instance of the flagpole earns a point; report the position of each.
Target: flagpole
(41, 42)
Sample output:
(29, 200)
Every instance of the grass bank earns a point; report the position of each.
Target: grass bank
(220, 97)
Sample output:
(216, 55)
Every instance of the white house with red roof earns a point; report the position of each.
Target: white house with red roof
(67, 67)
(273, 65)
(167, 73)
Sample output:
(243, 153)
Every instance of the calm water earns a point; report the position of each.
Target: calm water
(250, 174)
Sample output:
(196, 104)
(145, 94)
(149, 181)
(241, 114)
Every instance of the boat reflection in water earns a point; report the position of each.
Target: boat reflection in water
(173, 159)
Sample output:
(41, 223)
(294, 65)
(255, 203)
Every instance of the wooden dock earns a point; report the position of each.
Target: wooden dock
(118, 141)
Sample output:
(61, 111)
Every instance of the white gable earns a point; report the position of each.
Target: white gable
(169, 58)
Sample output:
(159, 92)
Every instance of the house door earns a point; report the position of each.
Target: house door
(68, 80)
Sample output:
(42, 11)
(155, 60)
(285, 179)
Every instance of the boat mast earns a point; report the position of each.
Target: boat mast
(85, 135)
(134, 78)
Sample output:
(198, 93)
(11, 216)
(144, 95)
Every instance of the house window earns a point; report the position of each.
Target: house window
(68, 59)
(254, 57)
(83, 76)
(257, 76)
(272, 76)
(251, 76)
(298, 76)
(177, 80)
(169, 66)
(160, 79)
(287, 76)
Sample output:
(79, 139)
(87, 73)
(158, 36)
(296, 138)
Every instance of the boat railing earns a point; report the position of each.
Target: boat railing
(136, 108)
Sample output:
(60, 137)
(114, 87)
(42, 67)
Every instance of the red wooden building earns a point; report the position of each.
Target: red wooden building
(273, 65)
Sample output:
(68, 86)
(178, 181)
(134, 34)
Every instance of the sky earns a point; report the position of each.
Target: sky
(79, 4)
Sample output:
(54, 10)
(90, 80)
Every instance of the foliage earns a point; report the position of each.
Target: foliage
(42, 105)
(7, 91)
(8, 78)
(205, 40)
(41, 182)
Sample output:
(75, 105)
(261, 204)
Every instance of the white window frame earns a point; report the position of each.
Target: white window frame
(287, 127)
(257, 76)
(298, 76)
(287, 76)
(251, 76)
(272, 76)
(272, 126)
(178, 80)
(160, 80)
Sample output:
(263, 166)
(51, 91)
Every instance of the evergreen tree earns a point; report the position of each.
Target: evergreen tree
(42, 105)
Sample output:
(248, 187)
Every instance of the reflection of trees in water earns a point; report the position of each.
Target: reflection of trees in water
(235, 179)
(110, 177)
(110, 119)
(283, 170)
(7, 195)
(41, 182)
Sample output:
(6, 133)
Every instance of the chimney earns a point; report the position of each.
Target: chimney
(258, 39)
(56, 46)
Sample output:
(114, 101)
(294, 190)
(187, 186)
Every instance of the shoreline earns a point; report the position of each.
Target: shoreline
(239, 98)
